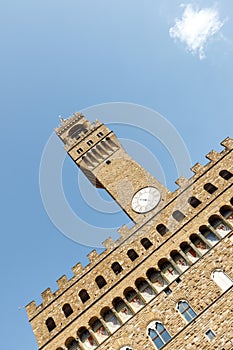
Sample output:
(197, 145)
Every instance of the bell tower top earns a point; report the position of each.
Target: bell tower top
(73, 129)
(98, 153)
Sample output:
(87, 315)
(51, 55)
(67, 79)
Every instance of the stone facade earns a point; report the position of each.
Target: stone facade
(167, 282)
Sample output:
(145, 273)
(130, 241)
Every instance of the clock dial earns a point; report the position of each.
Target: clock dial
(145, 199)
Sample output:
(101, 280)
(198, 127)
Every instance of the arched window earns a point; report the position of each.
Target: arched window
(221, 279)
(72, 344)
(50, 324)
(132, 254)
(179, 260)
(110, 318)
(76, 130)
(225, 174)
(201, 246)
(178, 216)
(99, 330)
(145, 289)
(210, 188)
(133, 298)
(209, 235)
(162, 229)
(84, 296)
(86, 338)
(146, 243)
(100, 281)
(158, 334)
(122, 309)
(227, 213)
(189, 252)
(186, 311)
(116, 267)
(219, 225)
(168, 269)
(155, 277)
(194, 202)
(67, 309)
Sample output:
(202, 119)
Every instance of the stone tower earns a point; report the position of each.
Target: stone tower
(167, 282)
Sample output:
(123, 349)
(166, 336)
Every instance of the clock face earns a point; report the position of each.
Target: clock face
(145, 199)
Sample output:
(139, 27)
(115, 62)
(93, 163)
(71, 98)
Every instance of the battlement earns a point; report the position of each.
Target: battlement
(79, 271)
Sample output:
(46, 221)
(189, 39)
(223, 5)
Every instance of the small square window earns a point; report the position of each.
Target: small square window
(178, 280)
(167, 291)
(210, 334)
(90, 142)
(108, 162)
(80, 150)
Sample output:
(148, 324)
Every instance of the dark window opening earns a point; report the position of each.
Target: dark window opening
(194, 202)
(225, 174)
(162, 229)
(199, 243)
(90, 142)
(84, 334)
(50, 324)
(210, 188)
(154, 275)
(67, 309)
(76, 130)
(167, 291)
(146, 243)
(132, 296)
(226, 212)
(108, 162)
(116, 267)
(100, 281)
(72, 344)
(132, 254)
(100, 134)
(178, 216)
(84, 296)
(80, 150)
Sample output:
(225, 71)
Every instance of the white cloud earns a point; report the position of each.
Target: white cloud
(196, 28)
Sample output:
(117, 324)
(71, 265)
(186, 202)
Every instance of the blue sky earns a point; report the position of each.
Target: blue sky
(58, 57)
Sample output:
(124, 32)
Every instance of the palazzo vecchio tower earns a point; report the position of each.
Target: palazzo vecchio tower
(167, 282)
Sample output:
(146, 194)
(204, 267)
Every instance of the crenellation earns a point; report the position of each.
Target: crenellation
(123, 231)
(93, 256)
(108, 243)
(77, 269)
(198, 168)
(227, 143)
(47, 296)
(31, 309)
(182, 181)
(213, 156)
(62, 282)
